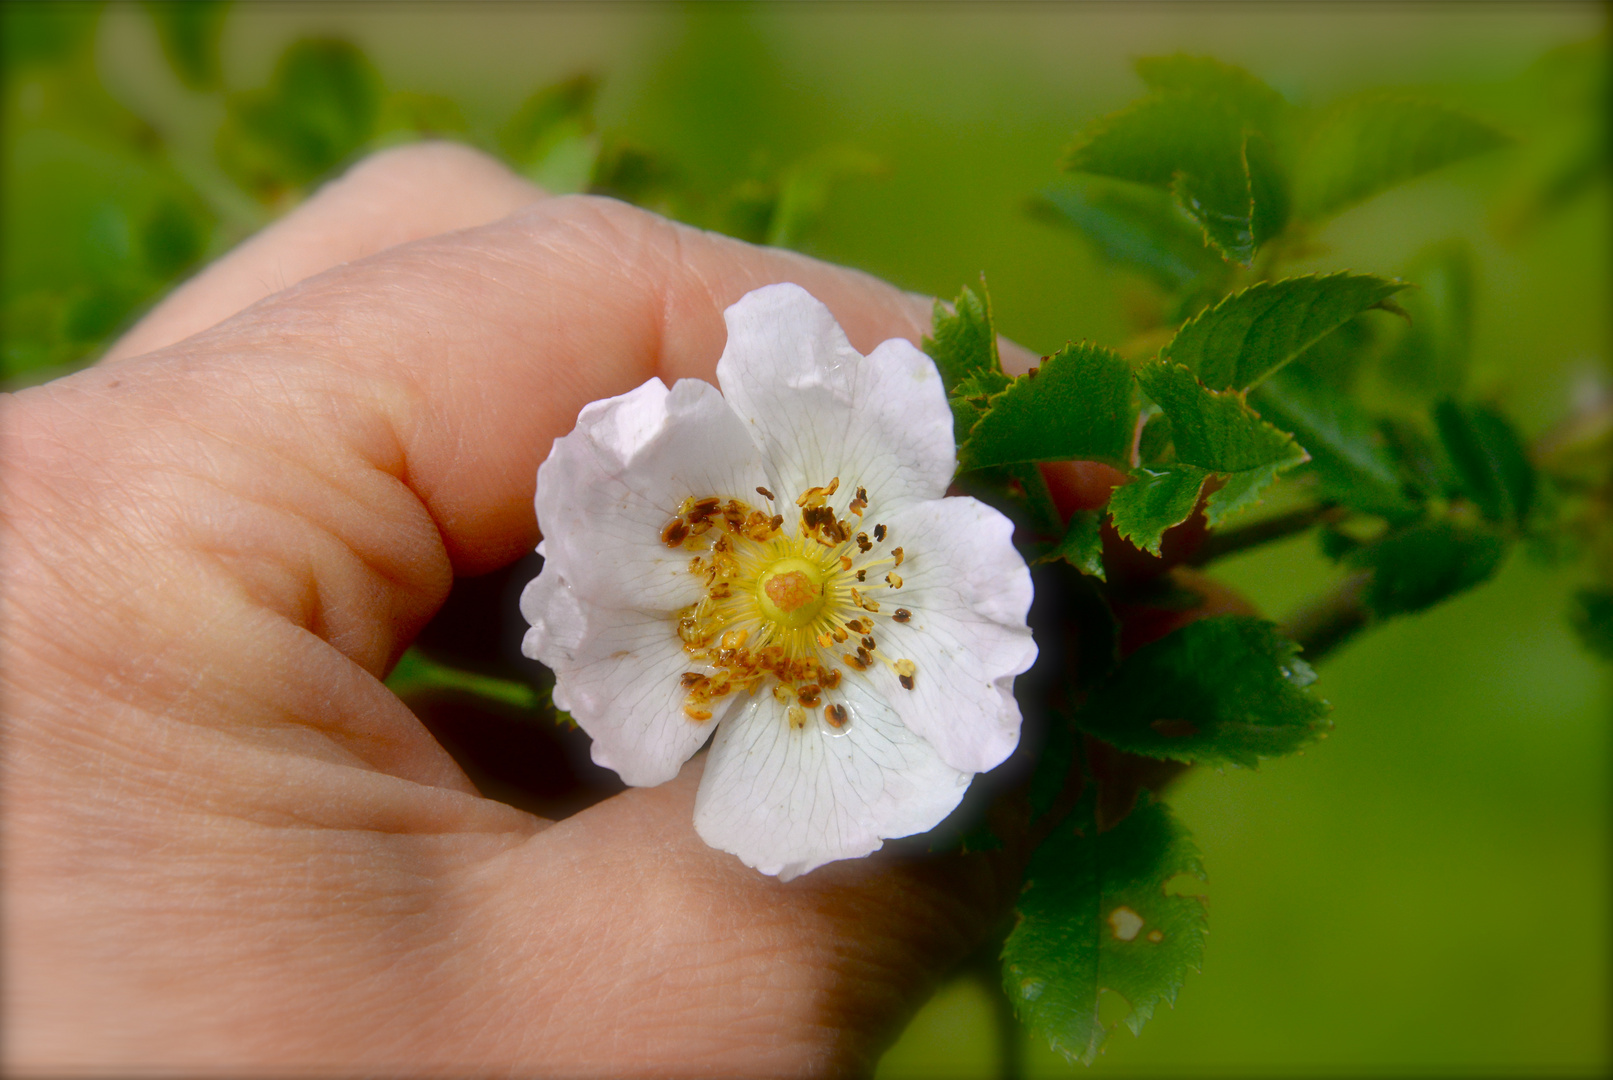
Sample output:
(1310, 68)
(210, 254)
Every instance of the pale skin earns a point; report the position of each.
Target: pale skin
(227, 846)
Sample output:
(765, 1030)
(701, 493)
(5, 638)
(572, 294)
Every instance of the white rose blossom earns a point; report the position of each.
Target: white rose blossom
(778, 561)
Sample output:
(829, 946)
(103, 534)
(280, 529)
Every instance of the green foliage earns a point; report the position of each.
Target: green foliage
(1363, 146)
(320, 107)
(1256, 331)
(1215, 430)
(1206, 134)
(1349, 457)
(1591, 615)
(1099, 913)
(549, 139)
(1414, 568)
(190, 31)
(1430, 357)
(963, 342)
(1077, 405)
(1487, 459)
(1227, 690)
(1082, 544)
(1139, 228)
(1154, 501)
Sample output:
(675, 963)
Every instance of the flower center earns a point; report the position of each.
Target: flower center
(784, 609)
(790, 592)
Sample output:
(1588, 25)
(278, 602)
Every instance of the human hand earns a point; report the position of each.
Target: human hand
(227, 843)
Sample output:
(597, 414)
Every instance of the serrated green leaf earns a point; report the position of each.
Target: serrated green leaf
(1255, 332)
(190, 31)
(1215, 430)
(1490, 464)
(1417, 567)
(963, 341)
(1082, 544)
(1227, 690)
(1591, 615)
(1192, 145)
(1240, 492)
(1137, 227)
(1078, 405)
(1096, 915)
(1363, 146)
(1154, 501)
(1348, 455)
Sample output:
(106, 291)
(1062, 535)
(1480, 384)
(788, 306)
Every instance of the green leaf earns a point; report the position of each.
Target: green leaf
(320, 108)
(1154, 501)
(1430, 356)
(1137, 227)
(190, 31)
(1053, 763)
(1256, 103)
(963, 342)
(550, 139)
(1192, 145)
(1420, 566)
(1078, 405)
(1240, 492)
(1363, 146)
(1227, 690)
(1348, 456)
(1099, 913)
(1592, 616)
(1215, 430)
(1490, 464)
(1082, 544)
(1255, 332)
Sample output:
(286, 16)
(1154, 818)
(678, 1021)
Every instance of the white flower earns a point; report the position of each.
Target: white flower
(778, 561)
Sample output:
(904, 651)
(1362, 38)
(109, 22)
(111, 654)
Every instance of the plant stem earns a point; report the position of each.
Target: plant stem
(1218, 545)
(1331, 619)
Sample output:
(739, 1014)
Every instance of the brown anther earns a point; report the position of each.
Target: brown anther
(676, 532)
(809, 695)
(857, 507)
(862, 575)
(835, 715)
(902, 614)
(696, 713)
(862, 495)
(854, 662)
(775, 522)
(906, 681)
(858, 626)
(845, 562)
(896, 553)
(893, 580)
(692, 678)
(840, 633)
(863, 543)
(868, 642)
(879, 533)
(764, 493)
(830, 678)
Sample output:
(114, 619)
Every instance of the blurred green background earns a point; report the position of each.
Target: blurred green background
(1428, 890)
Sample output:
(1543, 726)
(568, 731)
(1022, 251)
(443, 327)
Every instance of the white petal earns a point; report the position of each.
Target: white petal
(616, 671)
(969, 592)
(819, 409)
(608, 489)
(788, 801)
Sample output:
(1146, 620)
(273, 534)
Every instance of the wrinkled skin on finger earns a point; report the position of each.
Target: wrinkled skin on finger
(226, 843)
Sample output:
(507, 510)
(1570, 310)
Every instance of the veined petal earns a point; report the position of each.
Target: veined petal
(818, 409)
(616, 672)
(788, 801)
(608, 489)
(969, 592)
